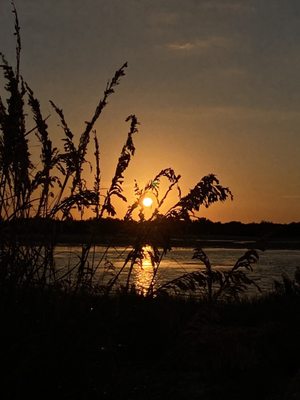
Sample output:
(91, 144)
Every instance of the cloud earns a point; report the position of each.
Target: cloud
(181, 46)
(199, 44)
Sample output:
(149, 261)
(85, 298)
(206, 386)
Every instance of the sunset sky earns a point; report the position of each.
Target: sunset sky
(215, 85)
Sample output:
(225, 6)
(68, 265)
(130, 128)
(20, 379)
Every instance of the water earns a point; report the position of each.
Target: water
(271, 265)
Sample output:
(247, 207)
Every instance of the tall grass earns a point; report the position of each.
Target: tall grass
(56, 189)
(212, 284)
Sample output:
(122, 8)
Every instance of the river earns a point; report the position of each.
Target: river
(271, 264)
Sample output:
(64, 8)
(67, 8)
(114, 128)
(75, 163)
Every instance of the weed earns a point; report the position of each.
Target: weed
(56, 189)
(212, 284)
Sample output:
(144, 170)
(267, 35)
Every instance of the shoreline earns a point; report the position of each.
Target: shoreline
(236, 243)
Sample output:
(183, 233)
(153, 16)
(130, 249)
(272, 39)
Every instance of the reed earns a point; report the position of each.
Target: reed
(212, 284)
(154, 233)
(55, 189)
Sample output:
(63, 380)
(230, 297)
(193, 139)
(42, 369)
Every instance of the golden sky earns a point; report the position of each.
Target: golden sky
(215, 85)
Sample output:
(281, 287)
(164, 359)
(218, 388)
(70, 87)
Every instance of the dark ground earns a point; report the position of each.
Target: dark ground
(55, 345)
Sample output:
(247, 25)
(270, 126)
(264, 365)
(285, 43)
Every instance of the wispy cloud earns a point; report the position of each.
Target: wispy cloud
(199, 44)
(183, 46)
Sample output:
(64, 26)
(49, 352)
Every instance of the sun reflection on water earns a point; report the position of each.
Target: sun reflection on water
(144, 274)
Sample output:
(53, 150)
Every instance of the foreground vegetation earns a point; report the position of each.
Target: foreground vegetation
(55, 188)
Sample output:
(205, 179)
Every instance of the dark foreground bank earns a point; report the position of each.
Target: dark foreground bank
(57, 345)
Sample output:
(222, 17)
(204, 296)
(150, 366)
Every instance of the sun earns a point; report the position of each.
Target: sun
(147, 202)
